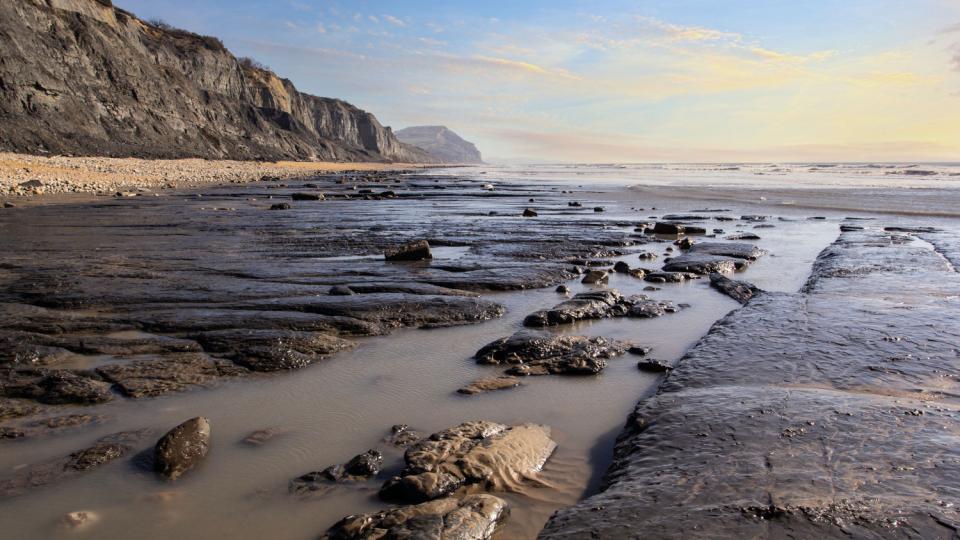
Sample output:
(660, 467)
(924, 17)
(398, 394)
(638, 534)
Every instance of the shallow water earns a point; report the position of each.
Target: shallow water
(338, 408)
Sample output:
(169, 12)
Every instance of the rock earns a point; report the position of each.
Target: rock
(654, 366)
(529, 212)
(740, 291)
(182, 448)
(271, 350)
(262, 436)
(668, 228)
(647, 255)
(598, 305)
(575, 204)
(341, 290)
(737, 250)
(704, 264)
(563, 289)
(414, 251)
(638, 350)
(8, 204)
(80, 519)
(402, 435)
(473, 517)
(753, 218)
(8, 432)
(588, 305)
(105, 450)
(598, 209)
(494, 456)
(171, 373)
(669, 277)
(316, 481)
(55, 387)
(15, 408)
(743, 236)
(621, 267)
(307, 196)
(685, 243)
(545, 353)
(280, 206)
(361, 467)
(489, 384)
(648, 309)
(595, 276)
(366, 464)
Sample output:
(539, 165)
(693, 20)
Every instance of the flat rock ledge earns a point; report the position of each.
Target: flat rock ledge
(828, 413)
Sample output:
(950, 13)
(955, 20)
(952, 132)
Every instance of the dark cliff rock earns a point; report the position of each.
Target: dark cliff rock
(441, 143)
(82, 77)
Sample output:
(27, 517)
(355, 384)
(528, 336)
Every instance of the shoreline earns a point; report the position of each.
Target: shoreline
(24, 177)
(856, 199)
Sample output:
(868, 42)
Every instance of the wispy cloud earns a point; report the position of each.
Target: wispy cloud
(393, 20)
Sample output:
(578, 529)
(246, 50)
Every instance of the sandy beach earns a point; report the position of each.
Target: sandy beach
(23, 175)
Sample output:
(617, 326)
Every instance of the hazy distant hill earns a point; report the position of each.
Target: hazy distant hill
(441, 143)
(83, 77)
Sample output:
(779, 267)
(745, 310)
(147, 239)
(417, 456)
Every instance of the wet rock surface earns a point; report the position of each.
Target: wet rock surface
(182, 448)
(492, 456)
(254, 291)
(361, 467)
(598, 305)
(696, 263)
(103, 451)
(741, 291)
(539, 353)
(839, 421)
(489, 384)
(473, 517)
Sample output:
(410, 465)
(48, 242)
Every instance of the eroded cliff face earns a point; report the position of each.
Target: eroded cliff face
(82, 77)
(441, 143)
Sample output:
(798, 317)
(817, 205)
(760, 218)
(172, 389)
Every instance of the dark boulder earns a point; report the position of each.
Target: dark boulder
(307, 196)
(413, 251)
(182, 448)
(740, 291)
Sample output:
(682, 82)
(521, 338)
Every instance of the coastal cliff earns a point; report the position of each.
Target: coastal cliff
(441, 143)
(83, 77)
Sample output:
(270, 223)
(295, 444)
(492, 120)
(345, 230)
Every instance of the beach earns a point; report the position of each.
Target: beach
(25, 175)
(160, 309)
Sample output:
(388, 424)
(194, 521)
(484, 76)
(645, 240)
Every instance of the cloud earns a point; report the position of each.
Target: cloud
(689, 33)
(953, 29)
(393, 20)
(321, 29)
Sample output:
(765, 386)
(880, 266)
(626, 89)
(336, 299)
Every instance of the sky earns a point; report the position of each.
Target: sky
(622, 81)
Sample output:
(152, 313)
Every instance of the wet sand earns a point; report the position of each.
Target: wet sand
(228, 249)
